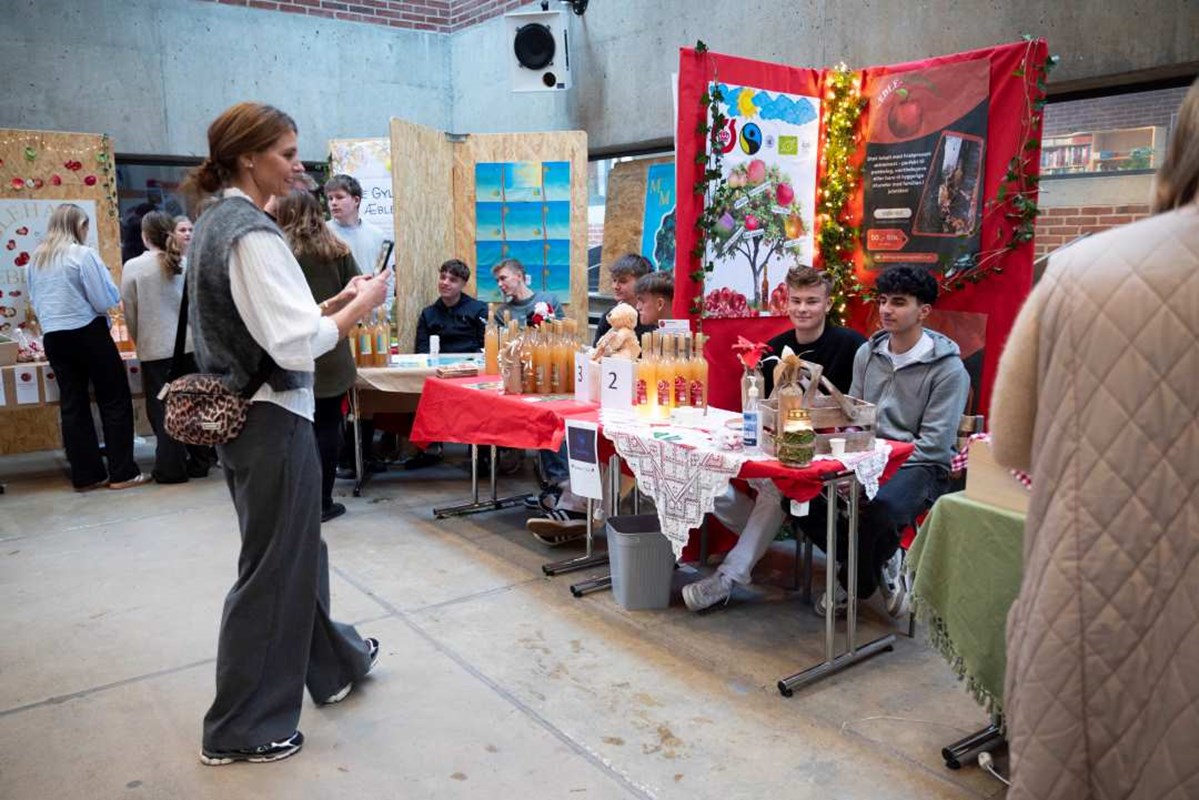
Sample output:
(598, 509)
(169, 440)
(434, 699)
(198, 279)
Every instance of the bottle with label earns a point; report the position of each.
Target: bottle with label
(699, 374)
(557, 360)
(751, 418)
(352, 337)
(366, 345)
(528, 376)
(382, 345)
(665, 378)
(541, 360)
(491, 345)
(682, 373)
(646, 399)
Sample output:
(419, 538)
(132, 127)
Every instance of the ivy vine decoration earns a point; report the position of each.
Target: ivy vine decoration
(840, 176)
(1016, 198)
(711, 159)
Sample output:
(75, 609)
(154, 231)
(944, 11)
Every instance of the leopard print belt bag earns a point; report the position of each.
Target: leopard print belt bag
(199, 410)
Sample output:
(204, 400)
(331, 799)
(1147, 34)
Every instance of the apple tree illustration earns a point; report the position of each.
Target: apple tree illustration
(759, 220)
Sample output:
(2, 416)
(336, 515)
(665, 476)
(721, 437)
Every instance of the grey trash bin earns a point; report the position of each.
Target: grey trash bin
(641, 560)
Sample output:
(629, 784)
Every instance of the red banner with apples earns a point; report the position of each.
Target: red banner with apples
(936, 139)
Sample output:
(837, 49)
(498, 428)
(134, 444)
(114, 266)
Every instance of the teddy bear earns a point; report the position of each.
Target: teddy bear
(621, 341)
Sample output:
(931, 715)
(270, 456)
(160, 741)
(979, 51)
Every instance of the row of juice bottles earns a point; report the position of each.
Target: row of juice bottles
(672, 373)
(547, 354)
(370, 341)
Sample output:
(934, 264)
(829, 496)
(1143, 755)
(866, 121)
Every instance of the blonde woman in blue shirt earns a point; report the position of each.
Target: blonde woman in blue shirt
(71, 291)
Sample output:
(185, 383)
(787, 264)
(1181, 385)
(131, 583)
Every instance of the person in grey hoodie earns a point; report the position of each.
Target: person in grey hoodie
(916, 378)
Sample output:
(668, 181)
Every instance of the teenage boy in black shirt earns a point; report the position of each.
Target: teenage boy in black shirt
(757, 520)
(458, 319)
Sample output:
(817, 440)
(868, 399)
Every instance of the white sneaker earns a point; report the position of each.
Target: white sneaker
(708, 591)
(842, 603)
(893, 583)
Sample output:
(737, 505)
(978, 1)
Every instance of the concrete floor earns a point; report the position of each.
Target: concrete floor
(493, 683)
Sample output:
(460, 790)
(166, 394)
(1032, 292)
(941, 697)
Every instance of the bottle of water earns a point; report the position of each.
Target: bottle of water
(751, 418)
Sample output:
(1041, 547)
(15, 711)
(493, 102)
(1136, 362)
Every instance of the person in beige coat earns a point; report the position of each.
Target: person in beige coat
(1098, 398)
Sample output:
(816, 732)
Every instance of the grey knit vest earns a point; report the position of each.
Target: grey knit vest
(223, 344)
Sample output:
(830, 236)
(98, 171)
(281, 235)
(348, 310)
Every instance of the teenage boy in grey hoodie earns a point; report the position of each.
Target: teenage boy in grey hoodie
(916, 379)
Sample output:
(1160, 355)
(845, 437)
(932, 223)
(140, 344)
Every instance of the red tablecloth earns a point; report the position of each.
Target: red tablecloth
(804, 484)
(458, 410)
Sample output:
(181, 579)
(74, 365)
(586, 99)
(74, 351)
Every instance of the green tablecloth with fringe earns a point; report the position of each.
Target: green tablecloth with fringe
(966, 567)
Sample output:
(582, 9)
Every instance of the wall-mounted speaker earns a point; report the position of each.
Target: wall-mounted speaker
(540, 55)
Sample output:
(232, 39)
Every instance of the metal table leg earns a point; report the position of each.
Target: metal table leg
(474, 506)
(360, 476)
(832, 662)
(589, 558)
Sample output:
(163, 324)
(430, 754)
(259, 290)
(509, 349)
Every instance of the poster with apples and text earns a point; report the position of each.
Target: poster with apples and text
(22, 228)
(765, 203)
(923, 174)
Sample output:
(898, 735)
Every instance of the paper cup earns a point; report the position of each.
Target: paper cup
(836, 447)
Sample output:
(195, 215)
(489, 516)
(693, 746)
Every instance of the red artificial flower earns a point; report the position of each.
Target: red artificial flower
(18, 183)
(22, 259)
(10, 245)
(38, 183)
(750, 353)
(90, 180)
(55, 180)
(22, 231)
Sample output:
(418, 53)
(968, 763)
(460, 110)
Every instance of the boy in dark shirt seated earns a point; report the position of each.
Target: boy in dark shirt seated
(757, 520)
(459, 321)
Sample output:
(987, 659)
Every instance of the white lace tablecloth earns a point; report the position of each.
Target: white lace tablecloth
(684, 472)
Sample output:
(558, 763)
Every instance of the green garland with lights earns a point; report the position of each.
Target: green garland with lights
(711, 160)
(840, 175)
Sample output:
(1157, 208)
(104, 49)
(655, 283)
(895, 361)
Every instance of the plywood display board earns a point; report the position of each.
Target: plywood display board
(526, 148)
(624, 213)
(423, 186)
(38, 170)
(434, 189)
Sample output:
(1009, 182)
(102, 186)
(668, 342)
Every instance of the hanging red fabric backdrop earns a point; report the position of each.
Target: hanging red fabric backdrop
(999, 296)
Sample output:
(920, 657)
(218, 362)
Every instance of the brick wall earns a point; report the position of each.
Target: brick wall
(439, 16)
(1132, 110)
(1059, 226)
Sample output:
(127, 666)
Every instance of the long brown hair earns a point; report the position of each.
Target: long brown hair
(67, 226)
(1177, 181)
(240, 129)
(303, 224)
(158, 229)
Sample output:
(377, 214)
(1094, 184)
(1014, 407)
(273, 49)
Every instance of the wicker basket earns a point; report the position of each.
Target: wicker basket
(834, 415)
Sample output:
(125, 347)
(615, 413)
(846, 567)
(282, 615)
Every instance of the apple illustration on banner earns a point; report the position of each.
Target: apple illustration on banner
(906, 116)
(784, 194)
(793, 227)
(756, 172)
(751, 222)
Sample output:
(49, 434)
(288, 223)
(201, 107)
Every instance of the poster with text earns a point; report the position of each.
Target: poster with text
(522, 211)
(657, 230)
(923, 175)
(22, 228)
(369, 162)
(766, 202)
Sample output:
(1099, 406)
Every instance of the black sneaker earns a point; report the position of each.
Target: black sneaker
(271, 751)
(421, 460)
(344, 692)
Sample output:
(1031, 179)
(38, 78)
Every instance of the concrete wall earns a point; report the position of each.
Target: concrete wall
(626, 50)
(154, 73)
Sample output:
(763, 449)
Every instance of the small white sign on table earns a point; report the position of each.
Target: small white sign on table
(616, 379)
(582, 448)
(50, 385)
(585, 391)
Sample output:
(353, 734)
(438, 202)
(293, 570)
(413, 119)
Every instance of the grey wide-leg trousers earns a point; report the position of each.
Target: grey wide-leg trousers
(276, 635)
